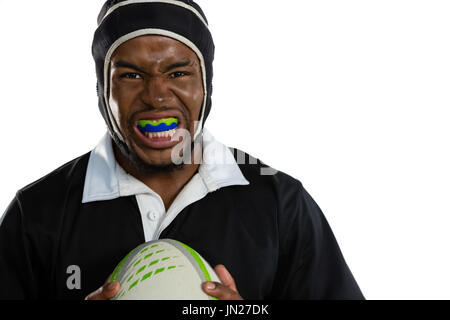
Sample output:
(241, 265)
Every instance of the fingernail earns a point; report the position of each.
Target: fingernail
(210, 285)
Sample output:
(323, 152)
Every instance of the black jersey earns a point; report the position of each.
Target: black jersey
(271, 236)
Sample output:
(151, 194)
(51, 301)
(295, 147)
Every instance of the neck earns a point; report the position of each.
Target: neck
(167, 184)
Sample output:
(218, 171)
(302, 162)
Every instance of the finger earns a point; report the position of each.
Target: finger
(225, 277)
(220, 291)
(105, 292)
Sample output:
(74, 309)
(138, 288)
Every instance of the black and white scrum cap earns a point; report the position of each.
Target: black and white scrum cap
(122, 20)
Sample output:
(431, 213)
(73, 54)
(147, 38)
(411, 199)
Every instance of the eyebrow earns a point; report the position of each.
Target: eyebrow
(179, 64)
(175, 65)
(124, 64)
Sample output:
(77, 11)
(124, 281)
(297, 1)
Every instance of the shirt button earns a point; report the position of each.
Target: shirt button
(151, 215)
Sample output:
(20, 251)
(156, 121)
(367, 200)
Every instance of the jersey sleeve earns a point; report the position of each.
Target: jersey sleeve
(17, 279)
(311, 264)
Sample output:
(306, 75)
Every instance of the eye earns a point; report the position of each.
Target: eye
(131, 75)
(178, 74)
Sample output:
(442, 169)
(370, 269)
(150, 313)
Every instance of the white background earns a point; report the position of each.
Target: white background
(359, 88)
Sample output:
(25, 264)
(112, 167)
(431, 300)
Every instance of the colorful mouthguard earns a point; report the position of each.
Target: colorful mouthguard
(159, 126)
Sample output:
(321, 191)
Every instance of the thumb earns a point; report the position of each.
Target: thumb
(105, 292)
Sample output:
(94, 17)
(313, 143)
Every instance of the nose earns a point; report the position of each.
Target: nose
(156, 93)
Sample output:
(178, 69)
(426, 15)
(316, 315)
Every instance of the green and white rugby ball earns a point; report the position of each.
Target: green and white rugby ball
(164, 269)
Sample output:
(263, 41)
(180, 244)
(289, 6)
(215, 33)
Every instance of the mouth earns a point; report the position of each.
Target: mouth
(160, 130)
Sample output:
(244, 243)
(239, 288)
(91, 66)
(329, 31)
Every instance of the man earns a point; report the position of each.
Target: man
(159, 173)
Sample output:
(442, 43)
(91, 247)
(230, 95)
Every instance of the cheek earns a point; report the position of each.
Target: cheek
(192, 94)
(198, 96)
(120, 99)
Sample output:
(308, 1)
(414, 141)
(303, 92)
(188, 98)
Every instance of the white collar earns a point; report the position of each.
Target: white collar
(107, 180)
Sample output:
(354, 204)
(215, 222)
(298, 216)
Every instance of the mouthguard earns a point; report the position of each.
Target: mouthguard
(157, 126)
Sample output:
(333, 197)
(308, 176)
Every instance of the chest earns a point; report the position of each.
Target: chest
(240, 234)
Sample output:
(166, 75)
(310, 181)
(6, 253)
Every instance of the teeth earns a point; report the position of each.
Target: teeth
(164, 134)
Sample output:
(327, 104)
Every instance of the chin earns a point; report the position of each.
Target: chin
(151, 167)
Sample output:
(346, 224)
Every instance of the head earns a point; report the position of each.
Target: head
(155, 77)
(154, 63)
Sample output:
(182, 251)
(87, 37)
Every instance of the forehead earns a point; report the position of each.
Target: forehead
(154, 48)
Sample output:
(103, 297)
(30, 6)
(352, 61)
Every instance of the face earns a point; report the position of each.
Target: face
(155, 85)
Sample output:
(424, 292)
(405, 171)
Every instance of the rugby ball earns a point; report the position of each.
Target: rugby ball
(163, 269)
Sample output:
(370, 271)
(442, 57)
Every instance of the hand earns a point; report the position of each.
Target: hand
(224, 291)
(105, 292)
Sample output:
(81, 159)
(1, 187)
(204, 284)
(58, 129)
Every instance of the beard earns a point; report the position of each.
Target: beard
(142, 166)
(147, 168)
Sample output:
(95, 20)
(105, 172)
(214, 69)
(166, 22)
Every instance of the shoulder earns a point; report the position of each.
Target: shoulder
(262, 175)
(37, 208)
(294, 204)
(56, 183)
